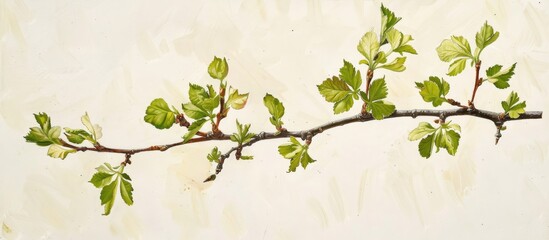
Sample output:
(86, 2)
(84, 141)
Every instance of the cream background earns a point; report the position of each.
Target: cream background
(111, 58)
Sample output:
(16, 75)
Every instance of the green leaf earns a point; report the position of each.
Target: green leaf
(448, 139)
(334, 89)
(512, 106)
(368, 46)
(126, 190)
(380, 109)
(396, 65)
(158, 114)
(296, 152)
(44, 135)
(246, 157)
(456, 46)
(398, 42)
(242, 136)
(457, 66)
(423, 129)
(218, 68)
(500, 78)
(214, 155)
(337, 91)
(349, 75)
(193, 111)
(425, 146)
(236, 100)
(78, 135)
(485, 37)
(434, 90)
(57, 151)
(193, 129)
(101, 179)
(388, 21)
(202, 99)
(94, 129)
(108, 194)
(276, 109)
(378, 90)
(344, 105)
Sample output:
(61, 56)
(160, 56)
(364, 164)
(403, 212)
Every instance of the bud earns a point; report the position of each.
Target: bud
(219, 68)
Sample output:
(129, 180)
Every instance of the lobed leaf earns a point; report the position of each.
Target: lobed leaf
(434, 90)
(214, 155)
(297, 153)
(485, 37)
(456, 46)
(512, 106)
(350, 75)
(500, 78)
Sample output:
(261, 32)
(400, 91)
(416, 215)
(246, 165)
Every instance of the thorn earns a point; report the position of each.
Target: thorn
(210, 178)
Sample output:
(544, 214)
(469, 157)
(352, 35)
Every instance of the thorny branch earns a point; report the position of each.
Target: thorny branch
(497, 118)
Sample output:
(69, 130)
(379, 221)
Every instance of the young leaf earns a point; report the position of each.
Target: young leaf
(500, 78)
(348, 74)
(378, 107)
(296, 152)
(396, 65)
(94, 129)
(449, 139)
(456, 46)
(423, 129)
(202, 99)
(433, 90)
(193, 129)
(378, 90)
(218, 68)
(44, 135)
(485, 37)
(276, 109)
(126, 190)
(214, 155)
(236, 100)
(78, 135)
(425, 146)
(158, 114)
(334, 89)
(193, 111)
(242, 136)
(512, 106)
(457, 66)
(57, 151)
(101, 179)
(246, 157)
(108, 194)
(369, 47)
(398, 42)
(388, 21)
(337, 91)
(344, 105)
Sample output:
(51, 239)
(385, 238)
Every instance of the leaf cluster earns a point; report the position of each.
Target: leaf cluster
(112, 180)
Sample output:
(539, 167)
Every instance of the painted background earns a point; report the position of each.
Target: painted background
(111, 58)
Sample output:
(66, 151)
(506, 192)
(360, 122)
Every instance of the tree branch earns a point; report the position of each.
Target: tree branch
(497, 118)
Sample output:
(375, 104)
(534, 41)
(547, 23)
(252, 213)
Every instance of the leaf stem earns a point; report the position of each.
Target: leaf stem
(369, 77)
(478, 82)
